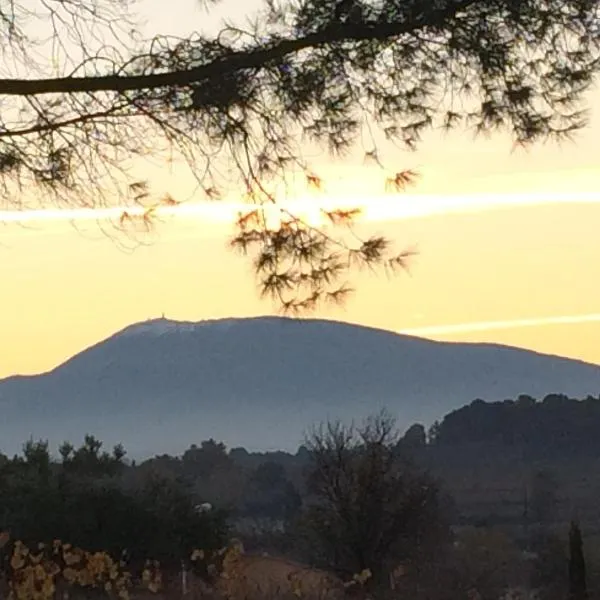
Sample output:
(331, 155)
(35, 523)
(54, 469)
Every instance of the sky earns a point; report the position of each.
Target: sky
(508, 251)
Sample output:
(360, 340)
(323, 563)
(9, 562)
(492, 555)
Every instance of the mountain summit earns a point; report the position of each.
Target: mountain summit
(160, 385)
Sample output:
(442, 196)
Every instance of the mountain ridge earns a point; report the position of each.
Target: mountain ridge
(141, 326)
(264, 380)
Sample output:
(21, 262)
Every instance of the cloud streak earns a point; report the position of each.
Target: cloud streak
(444, 330)
(377, 208)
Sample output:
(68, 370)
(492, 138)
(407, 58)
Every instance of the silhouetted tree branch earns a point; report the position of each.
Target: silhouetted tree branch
(239, 107)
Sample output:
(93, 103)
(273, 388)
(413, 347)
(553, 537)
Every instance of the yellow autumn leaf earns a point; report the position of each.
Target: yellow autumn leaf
(48, 588)
(363, 576)
(84, 577)
(39, 572)
(17, 562)
(70, 574)
(71, 558)
(296, 587)
(108, 561)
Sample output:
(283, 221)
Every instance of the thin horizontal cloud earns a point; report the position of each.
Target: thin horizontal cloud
(443, 330)
(377, 208)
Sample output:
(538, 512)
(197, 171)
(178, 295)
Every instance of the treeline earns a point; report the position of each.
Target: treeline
(256, 488)
(98, 501)
(349, 501)
(555, 426)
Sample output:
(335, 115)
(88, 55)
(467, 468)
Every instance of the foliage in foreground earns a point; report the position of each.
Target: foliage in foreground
(98, 502)
(47, 571)
(60, 570)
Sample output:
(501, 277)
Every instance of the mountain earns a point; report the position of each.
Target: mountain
(160, 385)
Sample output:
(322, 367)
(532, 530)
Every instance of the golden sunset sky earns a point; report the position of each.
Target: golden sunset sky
(509, 245)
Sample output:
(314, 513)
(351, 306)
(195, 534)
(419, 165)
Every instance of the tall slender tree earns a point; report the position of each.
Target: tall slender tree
(577, 571)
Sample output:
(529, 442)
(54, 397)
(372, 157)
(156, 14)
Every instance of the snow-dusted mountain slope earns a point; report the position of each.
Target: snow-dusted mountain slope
(160, 385)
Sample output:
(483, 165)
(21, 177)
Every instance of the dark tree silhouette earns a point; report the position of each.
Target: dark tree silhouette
(270, 494)
(367, 507)
(415, 437)
(577, 575)
(543, 500)
(239, 106)
(204, 461)
(555, 427)
(85, 500)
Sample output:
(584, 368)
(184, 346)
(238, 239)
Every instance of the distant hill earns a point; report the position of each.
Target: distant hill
(160, 385)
